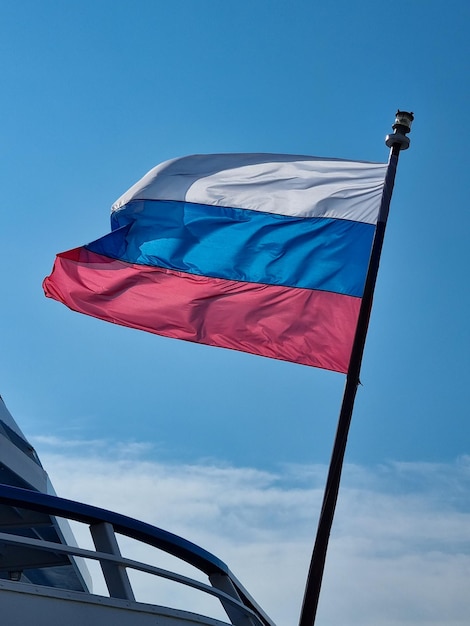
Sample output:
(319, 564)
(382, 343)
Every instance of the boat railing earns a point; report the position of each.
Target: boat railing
(240, 607)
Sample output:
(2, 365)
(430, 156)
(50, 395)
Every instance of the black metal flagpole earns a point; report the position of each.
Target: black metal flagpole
(396, 142)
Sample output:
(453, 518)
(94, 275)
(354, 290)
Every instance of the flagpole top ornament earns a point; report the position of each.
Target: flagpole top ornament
(401, 127)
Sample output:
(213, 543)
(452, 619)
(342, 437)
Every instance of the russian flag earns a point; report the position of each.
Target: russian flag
(263, 253)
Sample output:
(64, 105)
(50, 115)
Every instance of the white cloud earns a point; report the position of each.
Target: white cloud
(399, 552)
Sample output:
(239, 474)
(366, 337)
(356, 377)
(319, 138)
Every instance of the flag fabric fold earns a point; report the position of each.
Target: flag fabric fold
(262, 253)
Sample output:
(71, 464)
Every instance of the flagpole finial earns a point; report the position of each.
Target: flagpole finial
(402, 127)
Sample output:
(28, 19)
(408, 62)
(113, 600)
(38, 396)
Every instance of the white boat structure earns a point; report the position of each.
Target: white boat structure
(44, 578)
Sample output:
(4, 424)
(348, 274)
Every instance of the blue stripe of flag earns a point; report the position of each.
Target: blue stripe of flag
(242, 245)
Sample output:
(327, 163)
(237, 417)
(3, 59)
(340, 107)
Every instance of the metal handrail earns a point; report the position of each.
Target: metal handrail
(237, 602)
(124, 562)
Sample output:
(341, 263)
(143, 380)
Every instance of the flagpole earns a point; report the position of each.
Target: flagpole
(396, 142)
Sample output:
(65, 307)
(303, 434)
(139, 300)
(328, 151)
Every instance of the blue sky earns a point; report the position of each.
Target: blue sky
(97, 93)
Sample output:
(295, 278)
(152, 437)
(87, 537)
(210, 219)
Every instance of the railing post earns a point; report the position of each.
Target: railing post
(223, 583)
(115, 575)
